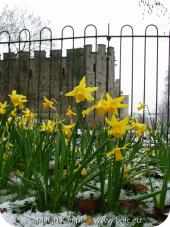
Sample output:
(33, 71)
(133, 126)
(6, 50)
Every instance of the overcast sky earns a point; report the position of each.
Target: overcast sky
(79, 13)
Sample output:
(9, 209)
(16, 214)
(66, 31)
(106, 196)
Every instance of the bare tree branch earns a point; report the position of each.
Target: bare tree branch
(14, 20)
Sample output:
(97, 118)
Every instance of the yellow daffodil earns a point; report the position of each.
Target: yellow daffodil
(67, 130)
(70, 113)
(9, 119)
(17, 100)
(3, 107)
(26, 121)
(5, 156)
(117, 152)
(28, 115)
(141, 106)
(18, 173)
(84, 172)
(89, 220)
(88, 111)
(101, 106)
(110, 153)
(49, 126)
(10, 145)
(21, 123)
(48, 104)
(30, 127)
(139, 128)
(81, 92)
(112, 105)
(118, 128)
(14, 112)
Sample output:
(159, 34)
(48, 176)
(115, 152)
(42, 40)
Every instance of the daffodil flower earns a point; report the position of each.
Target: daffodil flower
(70, 112)
(3, 107)
(141, 106)
(118, 128)
(112, 105)
(117, 152)
(84, 172)
(139, 128)
(48, 104)
(21, 123)
(28, 116)
(14, 112)
(81, 92)
(17, 100)
(101, 106)
(9, 119)
(88, 111)
(5, 156)
(49, 126)
(89, 220)
(67, 129)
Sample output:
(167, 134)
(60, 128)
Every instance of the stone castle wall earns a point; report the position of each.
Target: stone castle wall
(26, 74)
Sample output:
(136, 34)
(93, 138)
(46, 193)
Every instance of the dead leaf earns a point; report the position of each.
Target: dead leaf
(135, 187)
(132, 205)
(88, 206)
(155, 213)
(139, 188)
(2, 210)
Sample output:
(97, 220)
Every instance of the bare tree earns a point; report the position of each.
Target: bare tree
(154, 7)
(14, 20)
(158, 8)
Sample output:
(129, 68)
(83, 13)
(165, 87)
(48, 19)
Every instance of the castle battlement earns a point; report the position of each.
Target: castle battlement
(46, 73)
(87, 50)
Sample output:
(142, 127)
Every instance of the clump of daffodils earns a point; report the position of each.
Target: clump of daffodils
(26, 121)
(109, 106)
(106, 107)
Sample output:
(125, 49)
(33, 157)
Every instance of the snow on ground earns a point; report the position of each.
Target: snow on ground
(70, 219)
(65, 218)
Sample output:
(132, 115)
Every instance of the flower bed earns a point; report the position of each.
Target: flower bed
(57, 160)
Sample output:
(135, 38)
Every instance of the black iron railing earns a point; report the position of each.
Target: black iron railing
(62, 72)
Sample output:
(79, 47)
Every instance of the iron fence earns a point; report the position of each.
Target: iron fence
(146, 63)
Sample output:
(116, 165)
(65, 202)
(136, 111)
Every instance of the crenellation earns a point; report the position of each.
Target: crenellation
(55, 54)
(88, 49)
(39, 54)
(79, 51)
(101, 49)
(24, 55)
(11, 56)
(65, 73)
